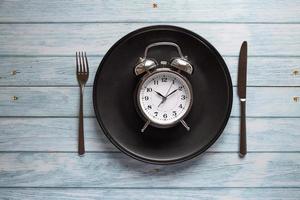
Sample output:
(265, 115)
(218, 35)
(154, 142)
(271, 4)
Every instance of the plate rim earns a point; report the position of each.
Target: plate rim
(193, 154)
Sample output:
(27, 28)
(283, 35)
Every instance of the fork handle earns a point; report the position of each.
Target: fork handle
(243, 136)
(81, 149)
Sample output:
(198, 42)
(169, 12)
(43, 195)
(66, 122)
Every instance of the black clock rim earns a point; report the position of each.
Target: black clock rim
(184, 158)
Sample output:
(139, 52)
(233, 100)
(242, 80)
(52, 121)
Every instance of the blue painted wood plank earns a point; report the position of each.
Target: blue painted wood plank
(31, 71)
(115, 169)
(64, 101)
(144, 11)
(150, 194)
(118, 170)
(60, 134)
(96, 39)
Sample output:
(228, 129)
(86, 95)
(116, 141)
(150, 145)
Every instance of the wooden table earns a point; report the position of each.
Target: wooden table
(39, 101)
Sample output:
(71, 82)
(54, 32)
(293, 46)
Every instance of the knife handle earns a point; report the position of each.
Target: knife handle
(243, 137)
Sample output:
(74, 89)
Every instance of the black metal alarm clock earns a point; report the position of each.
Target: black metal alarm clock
(164, 95)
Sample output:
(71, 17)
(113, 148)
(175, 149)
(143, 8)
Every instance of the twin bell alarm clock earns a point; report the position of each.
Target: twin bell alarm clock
(164, 95)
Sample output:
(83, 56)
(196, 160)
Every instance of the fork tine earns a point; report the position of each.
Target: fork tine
(83, 63)
(87, 64)
(80, 60)
(77, 67)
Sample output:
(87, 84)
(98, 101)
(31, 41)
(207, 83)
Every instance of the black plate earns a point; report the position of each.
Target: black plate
(115, 83)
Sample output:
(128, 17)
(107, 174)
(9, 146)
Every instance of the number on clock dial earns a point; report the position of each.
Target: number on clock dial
(164, 97)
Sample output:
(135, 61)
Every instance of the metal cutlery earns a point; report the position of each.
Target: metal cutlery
(242, 85)
(82, 71)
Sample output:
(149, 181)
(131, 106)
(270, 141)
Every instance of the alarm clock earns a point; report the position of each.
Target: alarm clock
(164, 95)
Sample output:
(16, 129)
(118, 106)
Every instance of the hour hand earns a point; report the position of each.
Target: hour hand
(160, 94)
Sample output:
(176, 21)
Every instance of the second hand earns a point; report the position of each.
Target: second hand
(164, 99)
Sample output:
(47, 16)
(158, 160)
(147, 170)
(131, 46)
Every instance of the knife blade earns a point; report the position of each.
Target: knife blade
(242, 86)
(242, 71)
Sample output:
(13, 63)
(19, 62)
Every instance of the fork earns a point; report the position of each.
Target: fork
(82, 71)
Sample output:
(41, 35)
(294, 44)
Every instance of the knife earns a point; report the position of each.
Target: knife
(242, 85)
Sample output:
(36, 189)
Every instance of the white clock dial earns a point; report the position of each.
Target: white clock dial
(165, 97)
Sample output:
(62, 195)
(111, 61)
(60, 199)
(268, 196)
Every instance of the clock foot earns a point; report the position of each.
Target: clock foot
(185, 125)
(145, 126)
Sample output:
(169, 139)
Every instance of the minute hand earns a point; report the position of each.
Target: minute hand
(171, 93)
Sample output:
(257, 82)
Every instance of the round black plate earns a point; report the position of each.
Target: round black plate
(115, 83)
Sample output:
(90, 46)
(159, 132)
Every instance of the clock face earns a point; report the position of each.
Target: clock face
(165, 97)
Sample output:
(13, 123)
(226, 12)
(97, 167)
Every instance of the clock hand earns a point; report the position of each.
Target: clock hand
(160, 94)
(163, 98)
(172, 92)
(169, 89)
(160, 103)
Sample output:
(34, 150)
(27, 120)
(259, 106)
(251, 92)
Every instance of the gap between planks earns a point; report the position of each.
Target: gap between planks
(119, 152)
(144, 22)
(141, 188)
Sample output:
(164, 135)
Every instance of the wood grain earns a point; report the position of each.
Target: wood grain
(96, 39)
(39, 101)
(144, 11)
(60, 134)
(118, 170)
(63, 101)
(56, 71)
(150, 194)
